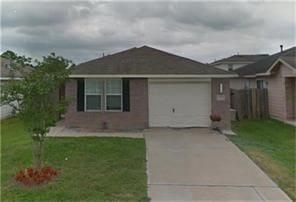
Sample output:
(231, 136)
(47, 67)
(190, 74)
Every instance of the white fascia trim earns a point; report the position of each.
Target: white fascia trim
(9, 78)
(194, 80)
(255, 75)
(152, 76)
(282, 61)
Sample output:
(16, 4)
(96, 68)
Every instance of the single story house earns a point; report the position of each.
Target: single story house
(277, 73)
(146, 87)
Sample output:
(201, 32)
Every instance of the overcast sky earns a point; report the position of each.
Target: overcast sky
(202, 31)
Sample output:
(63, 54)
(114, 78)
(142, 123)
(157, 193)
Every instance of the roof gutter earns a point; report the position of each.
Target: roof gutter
(152, 76)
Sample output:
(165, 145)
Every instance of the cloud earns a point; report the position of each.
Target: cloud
(41, 13)
(203, 31)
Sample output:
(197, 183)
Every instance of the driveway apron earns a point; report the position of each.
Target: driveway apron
(200, 164)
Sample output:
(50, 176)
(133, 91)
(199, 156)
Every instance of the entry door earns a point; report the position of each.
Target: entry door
(179, 104)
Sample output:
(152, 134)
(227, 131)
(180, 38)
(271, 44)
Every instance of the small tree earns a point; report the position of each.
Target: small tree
(38, 105)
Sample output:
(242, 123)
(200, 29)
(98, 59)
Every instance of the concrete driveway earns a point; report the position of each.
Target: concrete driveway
(199, 164)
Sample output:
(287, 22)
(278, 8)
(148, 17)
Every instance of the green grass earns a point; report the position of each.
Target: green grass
(97, 169)
(272, 145)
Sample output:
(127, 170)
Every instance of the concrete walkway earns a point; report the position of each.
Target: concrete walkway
(60, 131)
(199, 164)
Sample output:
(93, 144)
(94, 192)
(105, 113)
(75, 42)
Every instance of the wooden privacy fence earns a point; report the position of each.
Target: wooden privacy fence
(249, 103)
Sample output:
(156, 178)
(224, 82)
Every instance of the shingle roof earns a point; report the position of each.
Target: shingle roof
(6, 71)
(290, 60)
(144, 60)
(241, 59)
(263, 65)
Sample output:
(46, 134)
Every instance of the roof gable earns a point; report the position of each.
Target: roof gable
(144, 61)
(291, 61)
(262, 66)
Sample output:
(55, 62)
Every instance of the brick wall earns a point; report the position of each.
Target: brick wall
(221, 102)
(136, 118)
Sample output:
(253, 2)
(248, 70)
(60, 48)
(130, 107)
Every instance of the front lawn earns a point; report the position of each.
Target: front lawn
(90, 169)
(271, 144)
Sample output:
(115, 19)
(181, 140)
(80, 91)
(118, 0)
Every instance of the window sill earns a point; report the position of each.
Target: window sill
(106, 111)
(93, 111)
(113, 111)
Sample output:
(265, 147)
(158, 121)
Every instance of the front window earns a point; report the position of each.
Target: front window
(247, 83)
(103, 94)
(113, 94)
(260, 84)
(93, 94)
(230, 67)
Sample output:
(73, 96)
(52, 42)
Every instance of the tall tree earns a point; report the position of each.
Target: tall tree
(38, 104)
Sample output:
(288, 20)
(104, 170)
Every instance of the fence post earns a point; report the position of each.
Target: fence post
(250, 103)
(254, 99)
(258, 104)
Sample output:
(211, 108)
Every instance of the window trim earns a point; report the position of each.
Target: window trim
(263, 83)
(230, 67)
(116, 94)
(247, 84)
(86, 94)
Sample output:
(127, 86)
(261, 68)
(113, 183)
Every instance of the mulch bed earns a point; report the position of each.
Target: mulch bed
(33, 177)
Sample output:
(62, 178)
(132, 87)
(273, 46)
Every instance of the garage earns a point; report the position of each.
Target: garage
(179, 103)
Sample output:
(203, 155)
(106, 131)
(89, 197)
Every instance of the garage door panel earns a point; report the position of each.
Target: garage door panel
(165, 121)
(191, 121)
(178, 104)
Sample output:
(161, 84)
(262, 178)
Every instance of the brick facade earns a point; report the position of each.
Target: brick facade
(221, 102)
(136, 118)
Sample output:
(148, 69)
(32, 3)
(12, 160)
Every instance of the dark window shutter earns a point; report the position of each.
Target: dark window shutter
(125, 95)
(80, 94)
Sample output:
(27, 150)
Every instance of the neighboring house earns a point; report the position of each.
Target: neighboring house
(145, 87)
(236, 61)
(277, 73)
(5, 76)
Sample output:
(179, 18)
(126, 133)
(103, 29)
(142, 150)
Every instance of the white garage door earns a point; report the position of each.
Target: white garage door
(179, 103)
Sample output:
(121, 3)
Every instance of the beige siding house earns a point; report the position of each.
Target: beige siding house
(277, 73)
